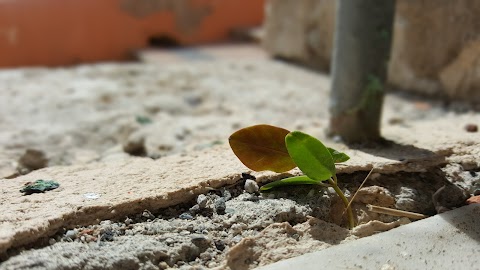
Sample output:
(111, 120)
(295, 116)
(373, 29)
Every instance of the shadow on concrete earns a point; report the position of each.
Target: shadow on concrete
(465, 220)
(402, 153)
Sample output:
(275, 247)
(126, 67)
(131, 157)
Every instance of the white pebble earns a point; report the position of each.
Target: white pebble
(251, 186)
(72, 234)
(128, 221)
(202, 200)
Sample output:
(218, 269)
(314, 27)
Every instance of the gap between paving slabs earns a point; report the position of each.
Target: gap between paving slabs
(127, 188)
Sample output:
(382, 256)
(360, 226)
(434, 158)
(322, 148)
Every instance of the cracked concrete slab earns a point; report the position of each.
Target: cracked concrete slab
(192, 107)
(123, 188)
(131, 186)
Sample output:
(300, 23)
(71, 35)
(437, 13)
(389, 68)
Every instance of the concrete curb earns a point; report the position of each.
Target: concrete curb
(447, 241)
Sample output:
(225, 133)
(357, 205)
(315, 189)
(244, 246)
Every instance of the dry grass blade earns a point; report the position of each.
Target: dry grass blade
(395, 212)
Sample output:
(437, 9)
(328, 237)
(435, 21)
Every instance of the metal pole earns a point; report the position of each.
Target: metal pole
(359, 66)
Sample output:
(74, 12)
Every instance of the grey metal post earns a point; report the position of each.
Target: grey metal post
(359, 66)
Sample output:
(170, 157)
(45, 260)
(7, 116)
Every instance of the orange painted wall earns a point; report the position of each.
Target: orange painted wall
(65, 32)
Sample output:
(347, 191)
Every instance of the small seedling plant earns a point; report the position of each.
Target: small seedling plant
(265, 147)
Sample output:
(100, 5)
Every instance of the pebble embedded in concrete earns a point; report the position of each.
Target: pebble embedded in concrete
(71, 234)
(220, 206)
(251, 186)
(202, 201)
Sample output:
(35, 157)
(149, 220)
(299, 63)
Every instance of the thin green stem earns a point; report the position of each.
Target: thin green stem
(351, 221)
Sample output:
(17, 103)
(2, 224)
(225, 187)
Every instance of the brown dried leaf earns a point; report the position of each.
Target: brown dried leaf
(262, 147)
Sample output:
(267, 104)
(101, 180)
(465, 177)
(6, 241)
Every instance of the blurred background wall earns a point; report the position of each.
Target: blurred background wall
(65, 32)
(436, 43)
(435, 50)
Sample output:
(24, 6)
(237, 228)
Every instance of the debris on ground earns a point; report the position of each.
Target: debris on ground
(39, 186)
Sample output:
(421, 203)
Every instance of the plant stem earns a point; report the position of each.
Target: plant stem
(351, 221)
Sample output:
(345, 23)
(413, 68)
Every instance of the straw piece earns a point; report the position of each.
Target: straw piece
(395, 212)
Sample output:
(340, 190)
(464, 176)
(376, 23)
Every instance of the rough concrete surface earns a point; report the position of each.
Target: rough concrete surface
(446, 241)
(121, 139)
(124, 188)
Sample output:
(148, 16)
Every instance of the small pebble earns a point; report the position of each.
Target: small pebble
(194, 209)
(251, 186)
(237, 239)
(220, 206)
(226, 194)
(252, 198)
(90, 238)
(105, 223)
(202, 201)
(219, 244)
(33, 159)
(395, 121)
(200, 240)
(186, 216)
(71, 234)
(128, 221)
(238, 227)
(148, 214)
(337, 139)
(184, 232)
(91, 195)
(205, 256)
(52, 241)
(230, 211)
(108, 235)
(331, 191)
(163, 265)
(295, 236)
(471, 128)
(200, 228)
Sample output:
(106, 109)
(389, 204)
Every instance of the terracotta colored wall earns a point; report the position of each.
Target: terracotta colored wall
(63, 32)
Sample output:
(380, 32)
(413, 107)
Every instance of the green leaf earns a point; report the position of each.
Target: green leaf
(338, 156)
(310, 155)
(262, 147)
(291, 181)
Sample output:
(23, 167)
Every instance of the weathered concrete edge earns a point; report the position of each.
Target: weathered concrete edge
(446, 241)
(78, 212)
(88, 214)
